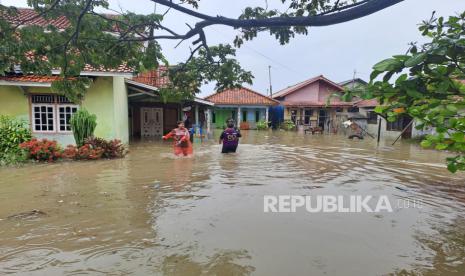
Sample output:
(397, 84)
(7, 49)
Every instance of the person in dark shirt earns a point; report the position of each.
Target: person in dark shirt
(230, 137)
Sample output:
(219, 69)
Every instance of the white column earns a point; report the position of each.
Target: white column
(266, 114)
(197, 123)
(238, 116)
(209, 121)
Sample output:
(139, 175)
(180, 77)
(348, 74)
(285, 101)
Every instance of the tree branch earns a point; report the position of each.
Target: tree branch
(365, 8)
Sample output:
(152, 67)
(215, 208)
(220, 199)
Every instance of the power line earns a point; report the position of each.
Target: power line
(265, 56)
(274, 61)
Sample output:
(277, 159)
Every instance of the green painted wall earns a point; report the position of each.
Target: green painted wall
(222, 114)
(121, 116)
(106, 98)
(13, 102)
(99, 101)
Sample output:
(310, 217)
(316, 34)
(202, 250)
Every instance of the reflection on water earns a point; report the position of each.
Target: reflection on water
(151, 213)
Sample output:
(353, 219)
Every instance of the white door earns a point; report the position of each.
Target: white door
(151, 122)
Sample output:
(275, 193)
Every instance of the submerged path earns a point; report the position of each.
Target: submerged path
(151, 213)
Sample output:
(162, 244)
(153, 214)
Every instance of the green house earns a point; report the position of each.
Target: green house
(127, 107)
(244, 105)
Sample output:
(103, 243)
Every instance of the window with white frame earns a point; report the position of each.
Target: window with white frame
(64, 114)
(51, 113)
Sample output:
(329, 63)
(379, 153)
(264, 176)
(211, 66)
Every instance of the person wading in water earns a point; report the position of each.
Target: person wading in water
(230, 137)
(182, 144)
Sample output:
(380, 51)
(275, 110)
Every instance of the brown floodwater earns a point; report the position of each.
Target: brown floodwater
(153, 214)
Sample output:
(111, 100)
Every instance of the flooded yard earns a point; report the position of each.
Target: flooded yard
(153, 214)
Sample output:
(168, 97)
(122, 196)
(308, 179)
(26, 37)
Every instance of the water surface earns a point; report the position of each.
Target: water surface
(153, 214)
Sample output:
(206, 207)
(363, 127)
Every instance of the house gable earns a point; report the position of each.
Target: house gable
(318, 89)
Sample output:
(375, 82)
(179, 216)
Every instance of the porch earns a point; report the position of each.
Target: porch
(244, 115)
(151, 118)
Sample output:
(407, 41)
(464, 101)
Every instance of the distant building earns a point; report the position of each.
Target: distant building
(389, 129)
(353, 83)
(315, 102)
(244, 105)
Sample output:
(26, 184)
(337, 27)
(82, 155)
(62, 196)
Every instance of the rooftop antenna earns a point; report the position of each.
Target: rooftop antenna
(269, 77)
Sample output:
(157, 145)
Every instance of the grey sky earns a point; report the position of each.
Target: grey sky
(334, 51)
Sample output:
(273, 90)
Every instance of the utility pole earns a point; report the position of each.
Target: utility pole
(353, 80)
(269, 76)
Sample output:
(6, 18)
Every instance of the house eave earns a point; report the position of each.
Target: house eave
(26, 83)
(99, 74)
(205, 102)
(141, 85)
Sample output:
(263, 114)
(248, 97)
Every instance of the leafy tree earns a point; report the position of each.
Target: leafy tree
(108, 41)
(428, 84)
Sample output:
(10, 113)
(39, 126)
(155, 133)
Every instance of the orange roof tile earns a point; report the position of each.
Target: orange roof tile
(30, 78)
(156, 78)
(240, 96)
(30, 17)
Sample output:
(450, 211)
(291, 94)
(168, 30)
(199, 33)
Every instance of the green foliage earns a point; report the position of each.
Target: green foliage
(212, 64)
(427, 84)
(13, 132)
(288, 125)
(74, 89)
(106, 42)
(83, 125)
(262, 125)
(295, 8)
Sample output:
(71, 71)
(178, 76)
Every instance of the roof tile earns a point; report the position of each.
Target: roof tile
(30, 17)
(156, 78)
(30, 78)
(240, 96)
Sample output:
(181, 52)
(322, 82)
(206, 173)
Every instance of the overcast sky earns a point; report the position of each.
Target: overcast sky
(334, 51)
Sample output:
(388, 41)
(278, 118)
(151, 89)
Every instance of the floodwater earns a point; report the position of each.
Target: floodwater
(153, 214)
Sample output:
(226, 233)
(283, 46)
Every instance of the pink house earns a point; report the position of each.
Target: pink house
(314, 102)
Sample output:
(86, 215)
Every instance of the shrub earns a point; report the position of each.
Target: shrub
(70, 152)
(288, 125)
(262, 125)
(12, 133)
(95, 148)
(111, 149)
(42, 150)
(86, 152)
(83, 125)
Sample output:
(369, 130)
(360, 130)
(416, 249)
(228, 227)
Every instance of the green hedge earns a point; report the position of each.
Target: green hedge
(12, 133)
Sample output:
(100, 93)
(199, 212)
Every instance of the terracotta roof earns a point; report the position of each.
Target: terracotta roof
(240, 96)
(367, 103)
(296, 87)
(26, 16)
(30, 78)
(316, 104)
(156, 78)
(30, 17)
